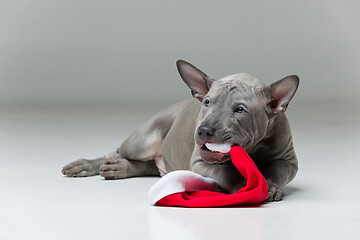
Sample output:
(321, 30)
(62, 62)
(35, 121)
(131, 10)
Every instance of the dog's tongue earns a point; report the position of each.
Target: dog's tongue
(216, 147)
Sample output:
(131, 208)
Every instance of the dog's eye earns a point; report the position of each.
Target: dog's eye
(239, 109)
(207, 103)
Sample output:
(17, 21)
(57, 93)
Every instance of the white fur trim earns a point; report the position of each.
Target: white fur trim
(180, 181)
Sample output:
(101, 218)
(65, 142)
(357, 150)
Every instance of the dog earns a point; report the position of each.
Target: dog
(197, 134)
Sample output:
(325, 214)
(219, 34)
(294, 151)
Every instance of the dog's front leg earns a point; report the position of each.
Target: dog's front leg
(277, 175)
(227, 176)
(229, 179)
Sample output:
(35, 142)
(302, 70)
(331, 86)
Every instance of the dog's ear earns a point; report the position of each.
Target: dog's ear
(195, 79)
(281, 92)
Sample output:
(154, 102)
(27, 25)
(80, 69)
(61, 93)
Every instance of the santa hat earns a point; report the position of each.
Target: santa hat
(188, 189)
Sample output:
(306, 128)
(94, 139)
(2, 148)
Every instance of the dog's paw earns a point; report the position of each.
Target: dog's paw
(114, 169)
(275, 194)
(80, 168)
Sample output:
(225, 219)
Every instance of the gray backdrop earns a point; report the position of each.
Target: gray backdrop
(75, 52)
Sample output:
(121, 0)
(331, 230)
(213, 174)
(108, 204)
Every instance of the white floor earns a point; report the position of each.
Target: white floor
(37, 202)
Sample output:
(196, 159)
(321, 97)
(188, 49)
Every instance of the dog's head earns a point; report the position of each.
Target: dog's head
(236, 110)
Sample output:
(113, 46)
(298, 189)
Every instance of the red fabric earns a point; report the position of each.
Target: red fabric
(255, 191)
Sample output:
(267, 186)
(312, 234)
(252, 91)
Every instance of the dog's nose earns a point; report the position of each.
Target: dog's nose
(206, 132)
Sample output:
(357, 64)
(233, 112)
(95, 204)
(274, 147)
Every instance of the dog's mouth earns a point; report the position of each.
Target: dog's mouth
(218, 147)
(215, 152)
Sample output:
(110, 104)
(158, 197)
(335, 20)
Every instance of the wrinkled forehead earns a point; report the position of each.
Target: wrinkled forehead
(242, 79)
(240, 85)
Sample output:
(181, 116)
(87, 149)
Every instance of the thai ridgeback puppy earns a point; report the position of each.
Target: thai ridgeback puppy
(197, 134)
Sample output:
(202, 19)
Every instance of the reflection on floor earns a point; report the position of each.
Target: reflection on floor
(37, 202)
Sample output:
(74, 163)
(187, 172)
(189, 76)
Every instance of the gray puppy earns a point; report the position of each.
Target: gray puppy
(197, 134)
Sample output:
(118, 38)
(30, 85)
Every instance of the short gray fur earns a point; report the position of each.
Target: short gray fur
(237, 109)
